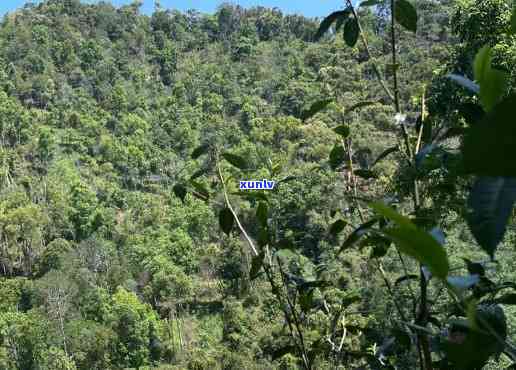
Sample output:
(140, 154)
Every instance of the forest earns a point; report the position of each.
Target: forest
(385, 240)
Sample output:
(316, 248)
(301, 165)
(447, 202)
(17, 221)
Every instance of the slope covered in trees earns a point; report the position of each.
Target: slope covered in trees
(126, 243)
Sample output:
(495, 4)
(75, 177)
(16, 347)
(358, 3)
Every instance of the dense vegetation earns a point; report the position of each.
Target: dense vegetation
(387, 241)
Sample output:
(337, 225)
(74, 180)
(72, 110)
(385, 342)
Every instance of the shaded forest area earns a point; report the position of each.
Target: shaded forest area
(388, 241)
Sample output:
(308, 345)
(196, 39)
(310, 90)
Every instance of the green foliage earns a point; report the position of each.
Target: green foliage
(405, 14)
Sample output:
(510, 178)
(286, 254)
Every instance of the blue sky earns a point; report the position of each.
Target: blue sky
(311, 8)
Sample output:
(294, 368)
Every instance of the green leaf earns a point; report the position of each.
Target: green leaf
(282, 351)
(513, 20)
(198, 173)
(370, 3)
(236, 160)
(201, 189)
(306, 300)
(478, 345)
(337, 227)
(342, 130)
(464, 82)
(357, 234)
(385, 153)
(200, 150)
(421, 246)
(261, 214)
(252, 196)
(487, 145)
(491, 201)
(315, 108)
(508, 299)
(337, 156)
(351, 32)
(359, 105)
(329, 20)
(405, 14)
(462, 283)
(474, 268)
(387, 212)
(256, 265)
(405, 278)
(493, 82)
(226, 220)
(180, 191)
(365, 174)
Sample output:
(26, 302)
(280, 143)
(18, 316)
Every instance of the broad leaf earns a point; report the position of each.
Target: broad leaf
(493, 82)
(180, 191)
(359, 105)
(415, 242)
(329, 20)
(200, 150)
(405, 278)
(351, 32)
(200, 188)
(342, 130)
(357, 234)
(371, 2)
(315, 108)
(421, 246)
(256, 265)
(464, 82)
(508, 299)
(513, 20)
(236, 160)
(491, 201)
(365, 174)
(405, 14)
(389, 213)
(226, 220)
(474, 268)
(488, 145)
(261, 213)
(385, 153)
(337, 156)
(337, 227)
(466, 347)
(462, 283)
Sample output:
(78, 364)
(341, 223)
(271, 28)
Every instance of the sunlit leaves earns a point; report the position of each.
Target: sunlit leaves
(329, 20)
(491, 201)
(414, 242)
(236, 160)
(405, 14)
(337, 156)
(493, 82)
(315, 108)
(351, 32)
(226, 220)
